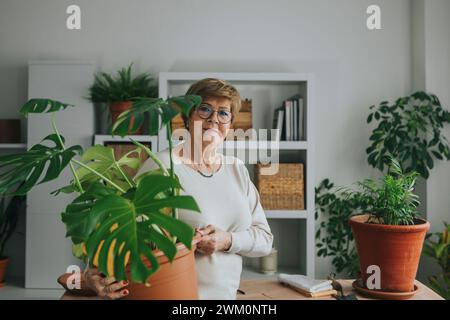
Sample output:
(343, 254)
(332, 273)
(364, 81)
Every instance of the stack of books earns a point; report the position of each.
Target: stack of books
(289, 119)
(307, 286)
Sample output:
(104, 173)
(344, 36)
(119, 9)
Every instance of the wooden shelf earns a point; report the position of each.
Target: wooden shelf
(13, 145)
(286, 214)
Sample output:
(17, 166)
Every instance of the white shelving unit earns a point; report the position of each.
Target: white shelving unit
(12, 146)
(293, 229)
(104, 139)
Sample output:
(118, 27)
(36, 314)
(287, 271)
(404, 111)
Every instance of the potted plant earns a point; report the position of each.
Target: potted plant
(125, 226)
(389, 235)
(411, 129)
(437, 247)
(118, 91)
(8, 221)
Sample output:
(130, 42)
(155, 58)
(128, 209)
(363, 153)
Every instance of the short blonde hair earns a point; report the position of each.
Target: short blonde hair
(211, 87)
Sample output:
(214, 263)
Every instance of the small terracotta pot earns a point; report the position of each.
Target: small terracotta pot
(3, 264)
(116, 108)
(10, 131)
(173, 281)
(394, 249)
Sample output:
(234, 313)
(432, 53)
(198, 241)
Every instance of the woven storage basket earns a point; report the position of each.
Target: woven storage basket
(283, 190)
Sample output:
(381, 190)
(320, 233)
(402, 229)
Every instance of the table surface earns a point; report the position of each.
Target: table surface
(273, 290)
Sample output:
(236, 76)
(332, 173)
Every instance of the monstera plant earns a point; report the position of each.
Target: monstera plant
(117, 222)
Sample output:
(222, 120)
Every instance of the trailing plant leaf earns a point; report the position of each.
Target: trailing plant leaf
(28, 167)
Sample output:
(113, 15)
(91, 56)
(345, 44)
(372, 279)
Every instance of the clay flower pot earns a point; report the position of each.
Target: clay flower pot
(116, 108)
(173, 281)
(3, 264)
(394, 249)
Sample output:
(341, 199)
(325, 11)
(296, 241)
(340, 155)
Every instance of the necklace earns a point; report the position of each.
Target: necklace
(208, 176)
(204, 175)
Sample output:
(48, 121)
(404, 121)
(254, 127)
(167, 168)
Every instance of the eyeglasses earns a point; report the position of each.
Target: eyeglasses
(205, 112)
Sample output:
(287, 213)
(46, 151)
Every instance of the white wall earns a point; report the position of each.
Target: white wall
(434, 74)
(437, 78)
(354, 67)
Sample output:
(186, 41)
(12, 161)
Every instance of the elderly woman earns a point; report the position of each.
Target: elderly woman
(232, 223)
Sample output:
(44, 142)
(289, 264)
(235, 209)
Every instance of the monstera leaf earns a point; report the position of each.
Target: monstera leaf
(29, 166)
(43, 106)
(122, 229)
(102, 160)
(167, 109)
(76, 215)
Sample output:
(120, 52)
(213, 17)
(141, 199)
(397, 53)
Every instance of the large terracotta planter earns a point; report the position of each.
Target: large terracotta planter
(3, 264)
(116, 108)
(173, 281)
(394, 249)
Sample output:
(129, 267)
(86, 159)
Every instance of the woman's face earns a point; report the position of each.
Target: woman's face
(215, 127)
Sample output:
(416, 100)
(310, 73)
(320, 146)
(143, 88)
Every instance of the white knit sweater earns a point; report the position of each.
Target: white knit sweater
(230, 201)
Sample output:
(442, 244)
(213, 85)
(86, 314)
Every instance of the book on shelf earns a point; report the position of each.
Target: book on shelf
(278, 123)
(290, 120)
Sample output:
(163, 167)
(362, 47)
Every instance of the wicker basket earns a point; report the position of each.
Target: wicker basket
(283, 190)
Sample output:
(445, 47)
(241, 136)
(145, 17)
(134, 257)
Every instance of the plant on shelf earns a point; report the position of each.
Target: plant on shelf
(119, 91)
(126, 226)
(388, 233)
(411, 130)
(437, 247)
(9, 215)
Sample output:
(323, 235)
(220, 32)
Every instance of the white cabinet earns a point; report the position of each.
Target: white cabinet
(48, 252)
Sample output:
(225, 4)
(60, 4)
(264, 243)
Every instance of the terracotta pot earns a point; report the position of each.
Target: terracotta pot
(116, 108)
(394, 249)
(3, 264)
(10, 131)
(173, 281)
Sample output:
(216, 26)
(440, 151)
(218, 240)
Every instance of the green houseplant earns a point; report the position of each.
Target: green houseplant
(437, 247)
(118, 91)
(410, 130)
(9, 215)
(334, 237)
(389, 234)
(125, 226)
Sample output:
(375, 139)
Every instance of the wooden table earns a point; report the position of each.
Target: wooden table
(273, 290)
